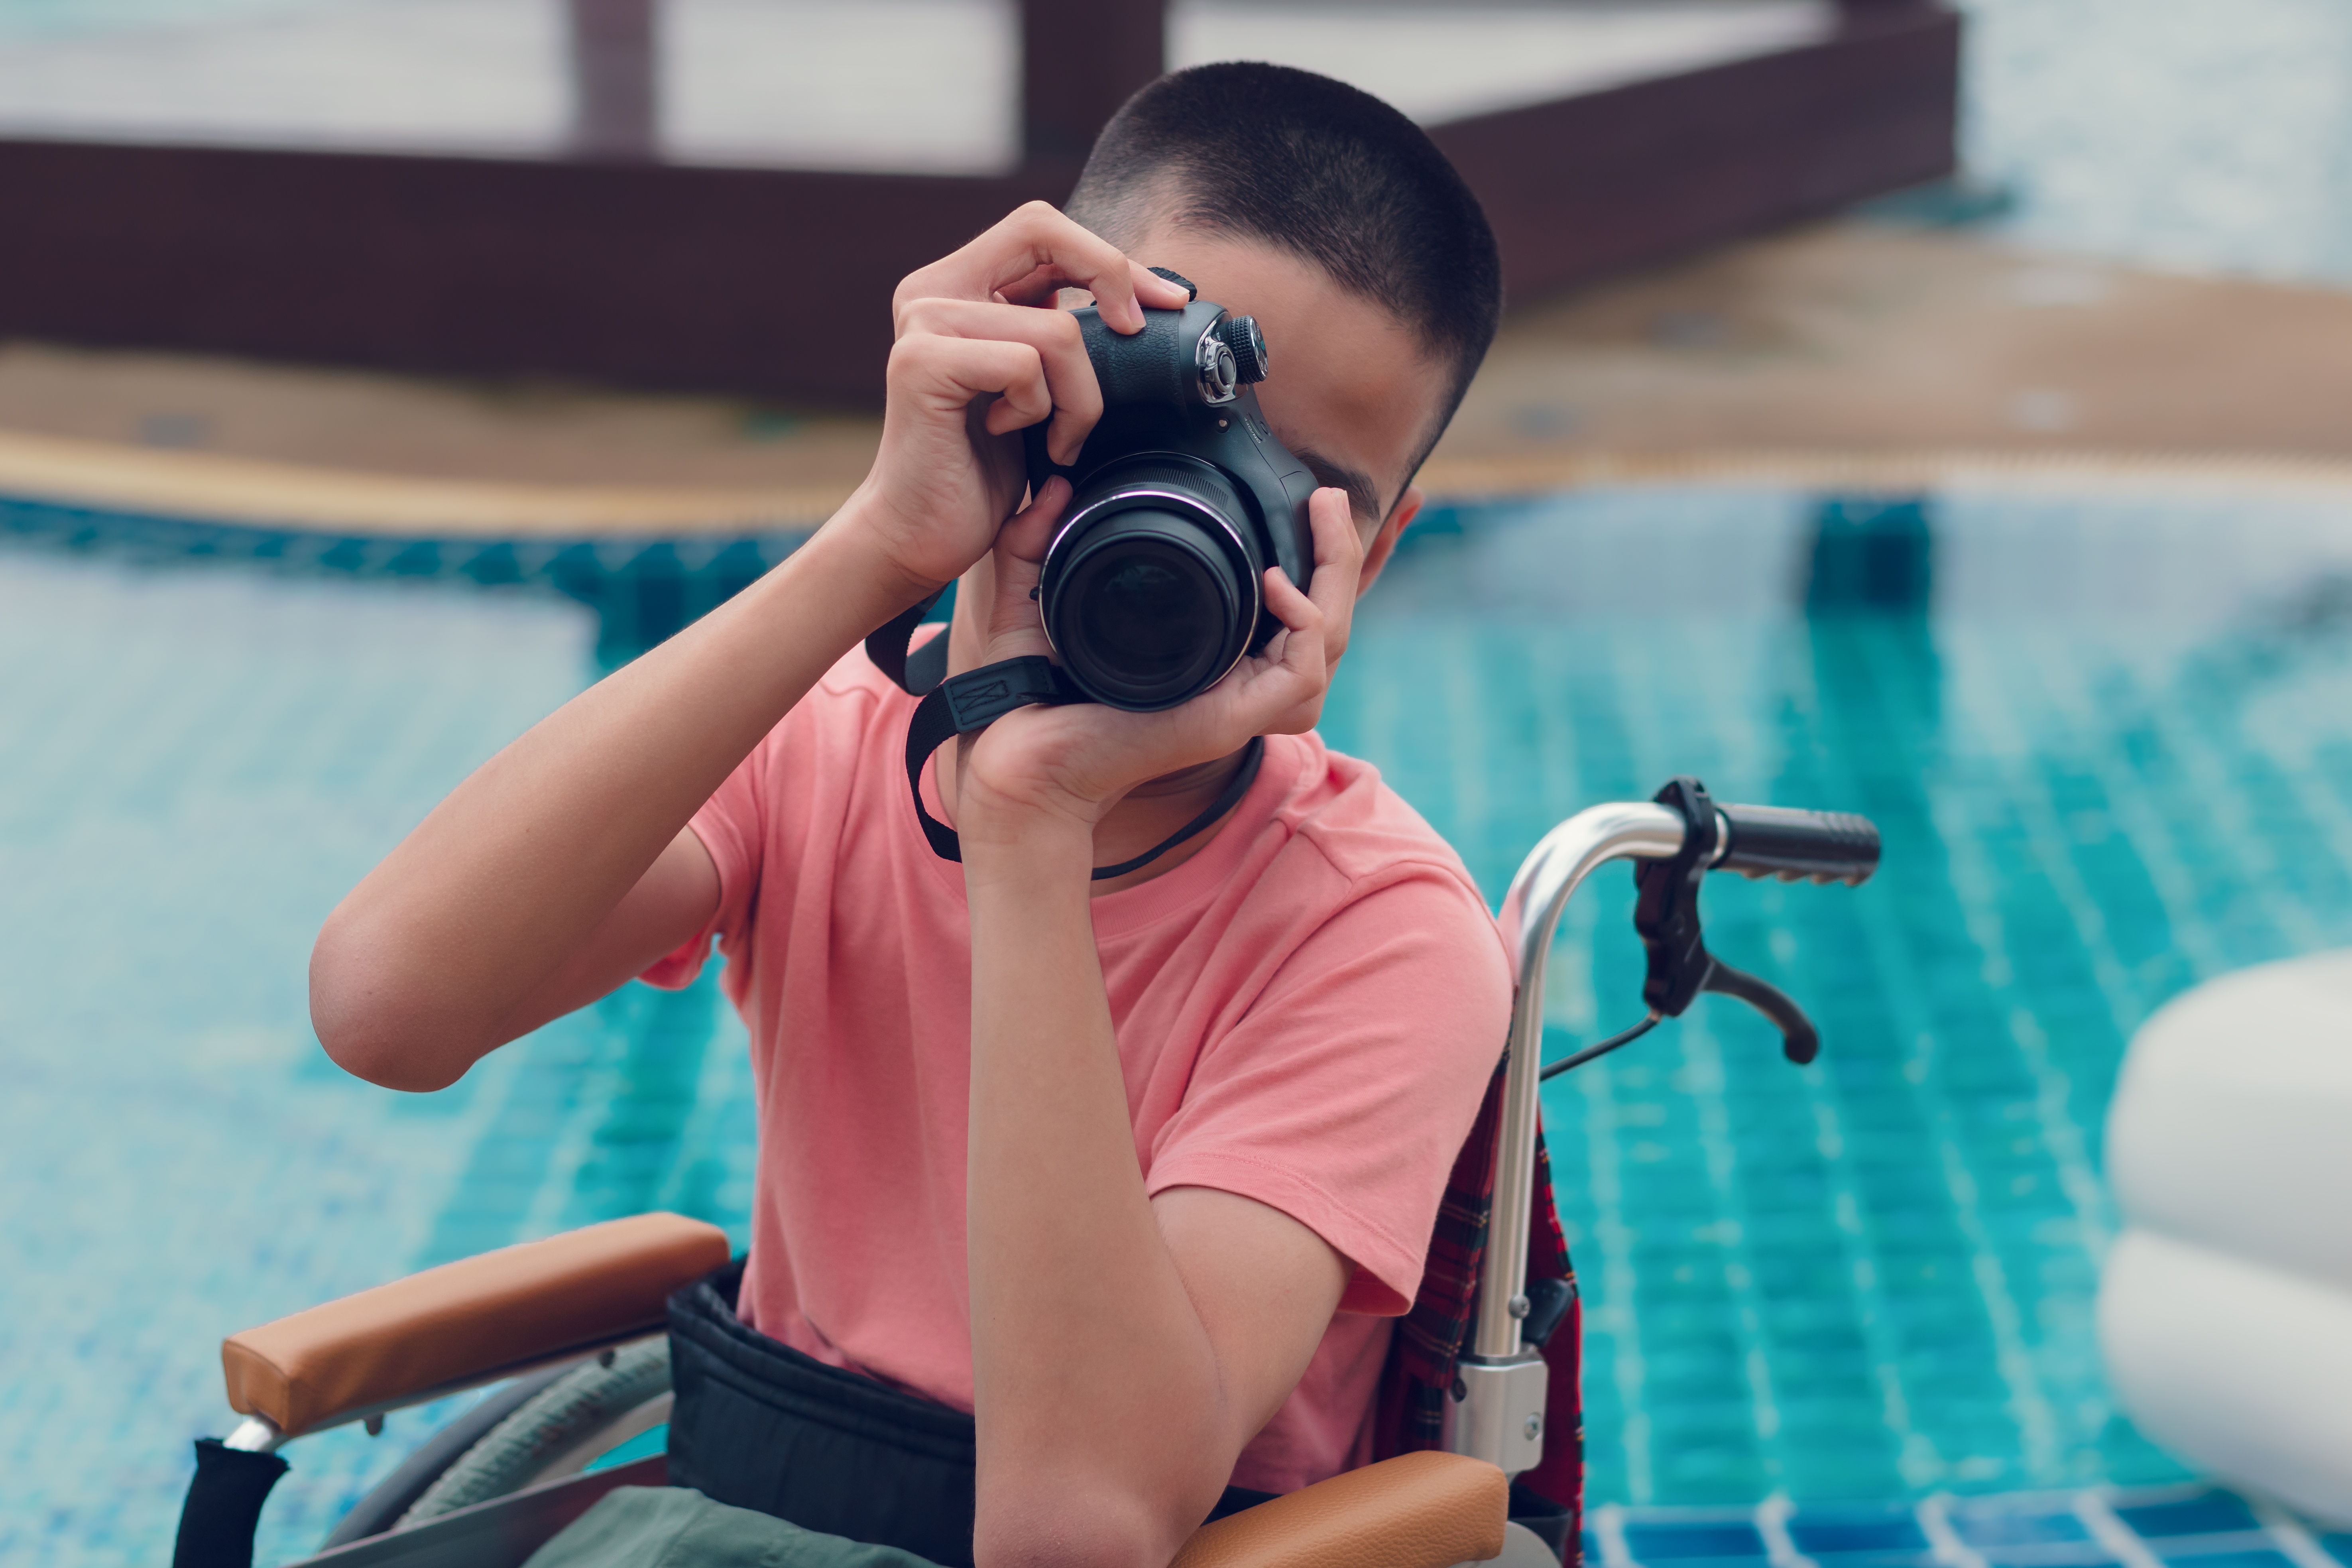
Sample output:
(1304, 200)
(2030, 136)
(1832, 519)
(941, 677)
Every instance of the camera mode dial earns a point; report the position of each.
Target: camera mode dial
(1248, 345)
(1221, 376)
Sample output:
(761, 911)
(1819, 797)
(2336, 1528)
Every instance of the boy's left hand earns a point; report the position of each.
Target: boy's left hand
(1041, 766)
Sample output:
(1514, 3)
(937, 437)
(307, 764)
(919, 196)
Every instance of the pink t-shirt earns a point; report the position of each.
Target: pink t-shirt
(1308, 1012)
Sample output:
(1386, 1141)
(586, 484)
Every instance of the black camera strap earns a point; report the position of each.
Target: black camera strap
(978, 698)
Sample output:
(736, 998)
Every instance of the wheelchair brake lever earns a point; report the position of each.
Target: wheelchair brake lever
(1667, 918)
(1548, 1304)
(1799, 1041)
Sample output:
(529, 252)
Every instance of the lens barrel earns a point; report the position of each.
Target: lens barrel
(1151, 593)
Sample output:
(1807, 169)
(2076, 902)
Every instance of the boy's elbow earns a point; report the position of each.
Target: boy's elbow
(1095, 1527)
(370, 1023)
(385, 1058)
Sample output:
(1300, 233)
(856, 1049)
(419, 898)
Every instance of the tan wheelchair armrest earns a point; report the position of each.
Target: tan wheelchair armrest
(462, 1320)
(1416, 1510)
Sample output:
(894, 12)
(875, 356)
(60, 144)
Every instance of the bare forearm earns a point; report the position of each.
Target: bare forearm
(445, 940)
(1094, 1377)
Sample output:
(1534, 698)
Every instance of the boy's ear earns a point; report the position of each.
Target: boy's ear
(1385, 542)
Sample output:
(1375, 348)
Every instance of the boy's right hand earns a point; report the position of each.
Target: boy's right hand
(982, 352)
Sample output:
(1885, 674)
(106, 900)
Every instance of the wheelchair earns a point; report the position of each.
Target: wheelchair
(567, 1332)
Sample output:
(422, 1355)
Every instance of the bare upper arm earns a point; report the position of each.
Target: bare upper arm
(669, 904)
(1265, 1288)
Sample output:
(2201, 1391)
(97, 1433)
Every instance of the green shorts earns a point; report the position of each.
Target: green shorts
(674, 1527)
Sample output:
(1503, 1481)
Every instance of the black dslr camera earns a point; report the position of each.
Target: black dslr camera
(1181, 499)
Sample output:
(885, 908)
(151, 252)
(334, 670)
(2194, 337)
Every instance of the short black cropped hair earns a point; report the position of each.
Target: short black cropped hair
(1317, 168)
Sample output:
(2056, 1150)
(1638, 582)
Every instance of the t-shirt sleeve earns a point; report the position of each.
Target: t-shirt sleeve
(1345, 1092)
(731, 825)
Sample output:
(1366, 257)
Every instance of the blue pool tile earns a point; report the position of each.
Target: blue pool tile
(1712, 1473)
(1676, 1542)
(1989, 1528)
(1890, 1559)
(1801, 1374)
(1675, 1374)
(1894, 1532)
(2211, 1513)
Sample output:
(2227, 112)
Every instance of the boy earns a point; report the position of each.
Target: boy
(1138, 1171)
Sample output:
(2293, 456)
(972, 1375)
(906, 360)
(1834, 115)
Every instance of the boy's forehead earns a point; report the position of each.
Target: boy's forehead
(1350, 389)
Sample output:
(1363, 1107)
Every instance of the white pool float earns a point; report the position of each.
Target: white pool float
(2225, 1309)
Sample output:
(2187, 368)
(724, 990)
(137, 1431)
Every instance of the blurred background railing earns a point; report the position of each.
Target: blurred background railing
(720, 194)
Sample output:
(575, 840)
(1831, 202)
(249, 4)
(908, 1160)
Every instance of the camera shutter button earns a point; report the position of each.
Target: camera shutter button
(1250, 359)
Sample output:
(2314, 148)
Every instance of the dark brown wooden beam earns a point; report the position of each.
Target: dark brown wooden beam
(757, 280)
(777, 282)
(1586, 187)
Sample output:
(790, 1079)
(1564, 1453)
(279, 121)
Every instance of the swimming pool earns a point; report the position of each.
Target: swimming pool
(2106, 741)
(2108, 735)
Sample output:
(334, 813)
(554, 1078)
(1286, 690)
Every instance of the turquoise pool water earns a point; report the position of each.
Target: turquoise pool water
(2106, 742)
(2108, 739)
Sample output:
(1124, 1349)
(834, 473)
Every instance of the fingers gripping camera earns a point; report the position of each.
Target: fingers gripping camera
(1181, 499)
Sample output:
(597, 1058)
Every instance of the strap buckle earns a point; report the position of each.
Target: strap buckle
(979, 698)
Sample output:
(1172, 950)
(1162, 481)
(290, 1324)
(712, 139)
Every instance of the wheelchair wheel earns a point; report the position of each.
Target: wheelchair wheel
(537, 1429)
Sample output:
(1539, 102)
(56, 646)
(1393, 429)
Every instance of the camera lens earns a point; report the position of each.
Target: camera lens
(1147, 612)
(1149, 594)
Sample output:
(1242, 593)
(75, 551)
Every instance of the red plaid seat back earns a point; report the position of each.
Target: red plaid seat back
(1430, 1338)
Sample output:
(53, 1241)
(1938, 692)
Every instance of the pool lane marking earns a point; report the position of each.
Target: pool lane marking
(2294, 1540)
(1976, 884)
(1619, 1281)
(1659, 731)
(1916, 1456)
(2030, 1405)
(1944, 1543)
(2107, 1528)
(1608, 1533)
(1772, 1525)
(1711, 726)
(1704, 1080)
(1738, 737)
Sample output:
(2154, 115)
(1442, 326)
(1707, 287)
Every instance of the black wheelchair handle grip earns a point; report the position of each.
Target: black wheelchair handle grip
(1798, 845)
